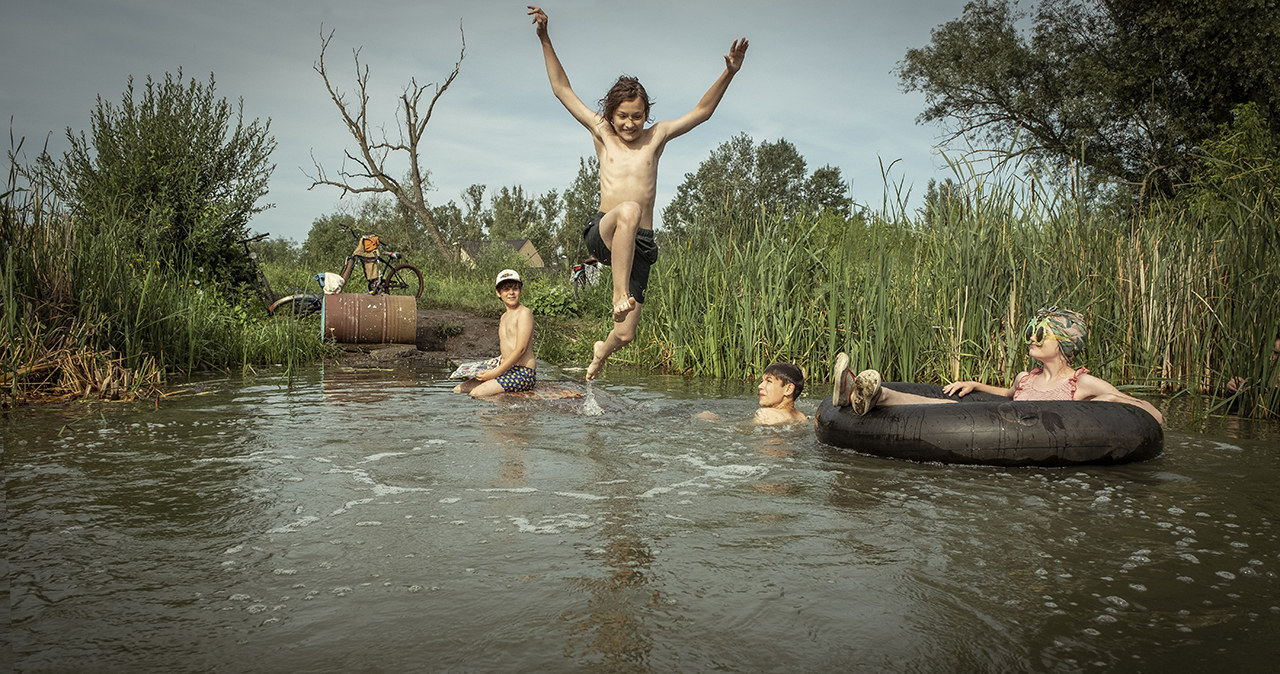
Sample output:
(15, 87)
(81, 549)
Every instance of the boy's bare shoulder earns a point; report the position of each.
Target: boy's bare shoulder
(768, 416)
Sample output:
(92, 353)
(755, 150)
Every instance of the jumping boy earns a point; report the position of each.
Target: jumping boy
(515, 369)
(621, 233)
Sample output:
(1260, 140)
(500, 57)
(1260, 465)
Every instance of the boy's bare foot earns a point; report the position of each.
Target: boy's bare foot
(623, 307)
(866, 391)
(597, 363)
(840, 388)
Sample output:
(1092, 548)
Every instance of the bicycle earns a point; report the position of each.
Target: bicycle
(392, 279)
(583, 275)
(301, 304)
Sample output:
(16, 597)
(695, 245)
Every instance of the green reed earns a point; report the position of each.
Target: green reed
(1179, 300)
(68, 287)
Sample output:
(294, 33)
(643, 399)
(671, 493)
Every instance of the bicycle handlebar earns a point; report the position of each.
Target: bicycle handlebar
(254, 239)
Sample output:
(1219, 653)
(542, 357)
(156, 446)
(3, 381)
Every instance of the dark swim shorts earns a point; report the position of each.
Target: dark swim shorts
(517, 378)
(646, 255)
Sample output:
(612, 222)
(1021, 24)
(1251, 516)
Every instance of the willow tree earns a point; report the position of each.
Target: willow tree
(1128, 90)
(376, 152)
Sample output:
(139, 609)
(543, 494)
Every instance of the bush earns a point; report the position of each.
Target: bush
(170, 173)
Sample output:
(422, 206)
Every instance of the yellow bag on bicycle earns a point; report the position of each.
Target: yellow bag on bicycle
(370, 244)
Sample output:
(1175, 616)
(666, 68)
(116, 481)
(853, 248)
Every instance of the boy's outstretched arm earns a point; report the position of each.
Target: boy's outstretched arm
(559, 80)
(710, 100)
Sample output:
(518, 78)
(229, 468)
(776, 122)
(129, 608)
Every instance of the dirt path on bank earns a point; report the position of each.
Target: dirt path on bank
(444, 337)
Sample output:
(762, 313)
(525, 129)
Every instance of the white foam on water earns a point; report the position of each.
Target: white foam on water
(510, 490)
(378, 457)
(450, 500)
(388, 490)
(579, 495)
(370, 523)
(295, 526)
(348, 505)
(553, 524)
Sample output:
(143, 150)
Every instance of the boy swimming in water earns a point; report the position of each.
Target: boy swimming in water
(515, 368)
(780, 386)
(621, 233)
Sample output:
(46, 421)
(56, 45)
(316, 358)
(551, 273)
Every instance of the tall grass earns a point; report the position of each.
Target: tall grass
(1179, 299)
(71, 298)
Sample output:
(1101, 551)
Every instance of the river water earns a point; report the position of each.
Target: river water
(342, 520)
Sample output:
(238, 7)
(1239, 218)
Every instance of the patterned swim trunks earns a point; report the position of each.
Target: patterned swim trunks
(518, 378)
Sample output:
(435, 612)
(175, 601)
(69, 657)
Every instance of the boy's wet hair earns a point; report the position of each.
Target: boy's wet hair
(789, 373)
(625, 89)
(512, 282)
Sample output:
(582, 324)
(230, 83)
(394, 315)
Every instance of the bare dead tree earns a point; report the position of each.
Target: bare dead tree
(371, 160)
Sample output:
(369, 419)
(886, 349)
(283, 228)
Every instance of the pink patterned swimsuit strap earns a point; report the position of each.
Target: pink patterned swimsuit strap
(1064, 391)
(1074, 379)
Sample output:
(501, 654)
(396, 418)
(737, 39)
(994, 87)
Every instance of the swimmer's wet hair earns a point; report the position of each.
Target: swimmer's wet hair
(789, 374)
(625, 89)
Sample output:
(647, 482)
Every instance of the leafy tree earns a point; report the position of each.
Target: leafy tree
(543, 233)
(944, 203)
(477, 219)
(449, 218)
(581, 203)
(827, 191)
(329, 242)
(172, 169)
(780, 176)
(741, 179)
(724, 185)
(513, 213)
(1126, 88)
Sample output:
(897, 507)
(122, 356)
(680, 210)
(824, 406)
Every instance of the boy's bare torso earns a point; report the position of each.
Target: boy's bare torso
(629, 171)
(509, 336)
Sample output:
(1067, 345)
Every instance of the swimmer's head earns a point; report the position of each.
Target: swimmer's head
(788, 373)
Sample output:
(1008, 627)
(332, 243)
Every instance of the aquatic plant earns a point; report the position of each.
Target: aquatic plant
(1180, 297)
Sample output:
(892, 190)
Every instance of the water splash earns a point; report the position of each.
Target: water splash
(590, 407)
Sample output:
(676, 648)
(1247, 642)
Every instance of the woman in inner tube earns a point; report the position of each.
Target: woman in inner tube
(1056, 336)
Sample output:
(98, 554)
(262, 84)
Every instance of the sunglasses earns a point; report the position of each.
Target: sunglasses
(1038, 332)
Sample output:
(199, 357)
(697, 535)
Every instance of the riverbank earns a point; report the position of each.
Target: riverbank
(443, 337)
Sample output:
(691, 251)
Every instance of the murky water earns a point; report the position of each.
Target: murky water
(351, 521)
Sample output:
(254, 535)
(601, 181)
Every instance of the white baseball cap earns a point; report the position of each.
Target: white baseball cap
(507, 275)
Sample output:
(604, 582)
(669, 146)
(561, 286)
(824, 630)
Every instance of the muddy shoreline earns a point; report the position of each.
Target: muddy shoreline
(443, 338)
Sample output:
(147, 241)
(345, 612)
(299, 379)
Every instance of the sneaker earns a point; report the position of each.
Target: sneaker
(866, 391)
(839, 389)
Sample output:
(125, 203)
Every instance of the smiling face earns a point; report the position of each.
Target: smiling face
(773, 391)
(509, 293)
(629, 118)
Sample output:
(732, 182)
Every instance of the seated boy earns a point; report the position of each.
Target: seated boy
(515, 369)
(779, 388)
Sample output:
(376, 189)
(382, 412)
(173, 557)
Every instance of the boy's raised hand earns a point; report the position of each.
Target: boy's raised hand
(732, 60)
(539, 18)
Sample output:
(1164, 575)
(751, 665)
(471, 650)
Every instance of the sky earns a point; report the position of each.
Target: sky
(817, 73)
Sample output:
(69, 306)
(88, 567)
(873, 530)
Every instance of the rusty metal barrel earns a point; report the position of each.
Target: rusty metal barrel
(355, 318)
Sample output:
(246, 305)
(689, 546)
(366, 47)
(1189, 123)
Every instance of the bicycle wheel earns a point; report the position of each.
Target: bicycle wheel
(296, 306)
(404, 279)
(579, 285)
